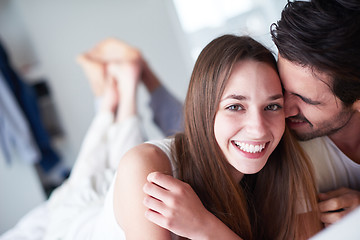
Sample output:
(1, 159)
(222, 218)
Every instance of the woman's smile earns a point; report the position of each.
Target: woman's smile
(251, 149)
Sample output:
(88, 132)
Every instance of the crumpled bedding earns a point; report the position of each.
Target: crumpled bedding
(31, 227)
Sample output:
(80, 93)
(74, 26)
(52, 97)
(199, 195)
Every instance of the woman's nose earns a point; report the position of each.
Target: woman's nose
(256, 125)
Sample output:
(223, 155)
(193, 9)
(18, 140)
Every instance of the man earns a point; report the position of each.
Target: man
(319, 65)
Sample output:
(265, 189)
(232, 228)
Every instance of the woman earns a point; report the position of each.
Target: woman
(234, 153)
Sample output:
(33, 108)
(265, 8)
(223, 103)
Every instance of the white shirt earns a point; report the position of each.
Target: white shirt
(333, 169)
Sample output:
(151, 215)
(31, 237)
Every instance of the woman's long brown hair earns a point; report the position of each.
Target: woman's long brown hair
(263, 205)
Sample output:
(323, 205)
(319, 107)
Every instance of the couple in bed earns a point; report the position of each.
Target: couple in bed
(235, 171)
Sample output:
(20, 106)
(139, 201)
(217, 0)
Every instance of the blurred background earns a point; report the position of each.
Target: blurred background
(42, 39)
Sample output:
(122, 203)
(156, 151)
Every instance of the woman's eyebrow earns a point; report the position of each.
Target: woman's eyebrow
(241, 97)
(236, 96)
(275, 97)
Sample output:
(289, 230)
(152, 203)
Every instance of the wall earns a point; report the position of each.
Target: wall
(59, 30)
(43, 39)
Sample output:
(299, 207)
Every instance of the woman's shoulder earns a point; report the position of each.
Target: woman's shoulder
(164, 145)
(152, 156)
(143, 156)
(131, 176)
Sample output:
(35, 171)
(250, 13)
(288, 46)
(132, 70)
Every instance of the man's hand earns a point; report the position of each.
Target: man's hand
(336, 204)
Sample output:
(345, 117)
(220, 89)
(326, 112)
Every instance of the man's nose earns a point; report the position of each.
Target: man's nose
(290, 105)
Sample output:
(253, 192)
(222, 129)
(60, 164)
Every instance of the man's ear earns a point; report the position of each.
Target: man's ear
(356, 105)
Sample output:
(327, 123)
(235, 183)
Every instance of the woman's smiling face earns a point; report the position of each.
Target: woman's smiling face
(250, 122)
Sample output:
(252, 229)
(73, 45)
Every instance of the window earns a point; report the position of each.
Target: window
(204, 20)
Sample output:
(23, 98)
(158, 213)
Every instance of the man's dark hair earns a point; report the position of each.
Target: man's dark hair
(325, 36)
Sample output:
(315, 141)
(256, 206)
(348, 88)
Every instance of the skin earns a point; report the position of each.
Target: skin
(180, 210)
(251, 114)
(132, 172)
(312, 110)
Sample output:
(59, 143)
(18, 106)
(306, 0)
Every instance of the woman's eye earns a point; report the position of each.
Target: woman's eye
(273, 107)
(235, 108)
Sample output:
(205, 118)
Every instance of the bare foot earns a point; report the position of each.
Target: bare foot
(114, 50)
(111, 96)
(127, 75)
(95, 72)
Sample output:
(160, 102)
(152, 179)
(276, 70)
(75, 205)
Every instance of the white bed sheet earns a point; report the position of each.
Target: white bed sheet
(30, 227)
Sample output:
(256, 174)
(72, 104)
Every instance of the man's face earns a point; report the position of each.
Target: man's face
(311, 108)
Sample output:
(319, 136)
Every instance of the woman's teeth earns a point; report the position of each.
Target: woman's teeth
(250, 148)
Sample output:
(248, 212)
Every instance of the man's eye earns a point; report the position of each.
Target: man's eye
(235, 108)
(273, 107)
(307, 100)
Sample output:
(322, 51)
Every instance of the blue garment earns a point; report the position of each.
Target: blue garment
(167, 111)
(27, 101)
(15, 134)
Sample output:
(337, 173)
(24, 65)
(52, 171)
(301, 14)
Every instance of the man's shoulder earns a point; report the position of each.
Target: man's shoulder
(321, 147)
(315, 144)
(320, 153)
(327, 163)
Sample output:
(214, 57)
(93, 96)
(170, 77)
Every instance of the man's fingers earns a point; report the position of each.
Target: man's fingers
(349, 200)
(334, 204)
(333, 194)
(332, 217)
